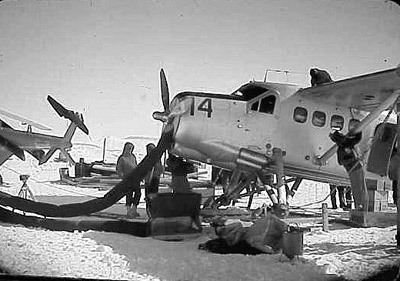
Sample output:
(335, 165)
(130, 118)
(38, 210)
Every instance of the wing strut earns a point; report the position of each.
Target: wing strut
(361, 126)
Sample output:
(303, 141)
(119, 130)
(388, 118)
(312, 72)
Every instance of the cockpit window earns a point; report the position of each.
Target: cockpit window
(268, 104)
(254, 106)
(250, 91)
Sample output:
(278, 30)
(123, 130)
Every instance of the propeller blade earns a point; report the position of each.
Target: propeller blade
(24, 120)
(164, 91)
(160, 116)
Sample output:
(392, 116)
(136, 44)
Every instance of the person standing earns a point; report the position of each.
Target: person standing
(344, 196)
(125, 165)
(341, 190)
(351, 161)
(152, 179)
(179, 170)
(393, 172)
(348, 197)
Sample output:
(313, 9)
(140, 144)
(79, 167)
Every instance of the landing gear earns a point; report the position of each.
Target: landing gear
(268, 177)
(244, 185)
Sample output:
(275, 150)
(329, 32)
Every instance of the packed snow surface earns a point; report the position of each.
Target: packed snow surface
(353, 253)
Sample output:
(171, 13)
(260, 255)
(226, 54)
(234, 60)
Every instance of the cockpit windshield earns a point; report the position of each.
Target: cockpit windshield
(250, 91)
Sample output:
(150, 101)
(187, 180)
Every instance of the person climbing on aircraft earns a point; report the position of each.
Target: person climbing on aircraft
(349, 158)
(319, 77)
(152, 179)
(125, 165)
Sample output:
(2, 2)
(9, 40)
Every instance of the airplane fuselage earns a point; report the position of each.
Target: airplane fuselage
(260, 117)
(31, 141)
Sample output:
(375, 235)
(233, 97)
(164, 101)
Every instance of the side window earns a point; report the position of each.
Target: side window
(337, 122)
(254, 106)
(319, 119)
(300, 114)
(268, 104)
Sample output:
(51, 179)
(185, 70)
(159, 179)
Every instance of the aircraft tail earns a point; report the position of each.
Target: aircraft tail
(63, 146)
(47, 156)
(76, 122)
(74, 117)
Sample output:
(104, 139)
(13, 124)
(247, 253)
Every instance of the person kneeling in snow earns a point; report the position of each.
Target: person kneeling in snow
(264, 236)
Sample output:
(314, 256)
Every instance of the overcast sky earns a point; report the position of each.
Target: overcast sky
(103, 58)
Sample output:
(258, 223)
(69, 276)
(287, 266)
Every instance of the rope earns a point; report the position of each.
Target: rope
(316, 202)
(317, 213)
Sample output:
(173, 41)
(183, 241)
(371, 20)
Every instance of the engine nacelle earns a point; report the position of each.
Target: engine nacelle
(251, 161)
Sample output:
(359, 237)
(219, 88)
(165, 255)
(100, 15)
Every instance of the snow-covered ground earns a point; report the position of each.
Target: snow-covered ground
(353, 253)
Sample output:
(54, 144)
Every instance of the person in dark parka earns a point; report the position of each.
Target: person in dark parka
(351, 161)
(125, 165)
(319, 77)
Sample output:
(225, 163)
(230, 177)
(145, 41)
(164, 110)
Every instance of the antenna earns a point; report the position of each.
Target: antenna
(278, 71)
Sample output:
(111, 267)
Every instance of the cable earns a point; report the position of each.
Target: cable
(317, 202)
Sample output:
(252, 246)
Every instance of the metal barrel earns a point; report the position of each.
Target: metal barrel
(292, 244)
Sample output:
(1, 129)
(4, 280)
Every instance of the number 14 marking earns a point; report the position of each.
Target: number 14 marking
(205, 105)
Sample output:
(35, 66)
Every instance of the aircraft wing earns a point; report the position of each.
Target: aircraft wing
(4, 155)
(4, 125)
(364, 92)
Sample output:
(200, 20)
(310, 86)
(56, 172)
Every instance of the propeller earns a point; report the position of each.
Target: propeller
(74, 117)
(158, 115)
(24, 120)
(164, 91)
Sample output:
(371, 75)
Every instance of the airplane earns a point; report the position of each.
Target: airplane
(15, 142)
(271, 134)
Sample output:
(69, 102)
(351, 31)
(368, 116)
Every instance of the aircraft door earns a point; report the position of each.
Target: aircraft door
(381, 148)
(263, 117)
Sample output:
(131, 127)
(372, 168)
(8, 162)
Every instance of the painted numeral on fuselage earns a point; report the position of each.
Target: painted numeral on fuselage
(205, 105)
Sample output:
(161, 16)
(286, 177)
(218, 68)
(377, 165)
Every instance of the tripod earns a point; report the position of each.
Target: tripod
(25, 191)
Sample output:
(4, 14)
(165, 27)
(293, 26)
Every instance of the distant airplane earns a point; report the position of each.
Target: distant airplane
(16, 142)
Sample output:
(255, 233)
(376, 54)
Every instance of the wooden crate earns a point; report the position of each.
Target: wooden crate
(380, 185)
(377, 205)
(377, 195)
(378, 200)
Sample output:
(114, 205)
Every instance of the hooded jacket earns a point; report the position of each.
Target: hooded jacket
(127, 161)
